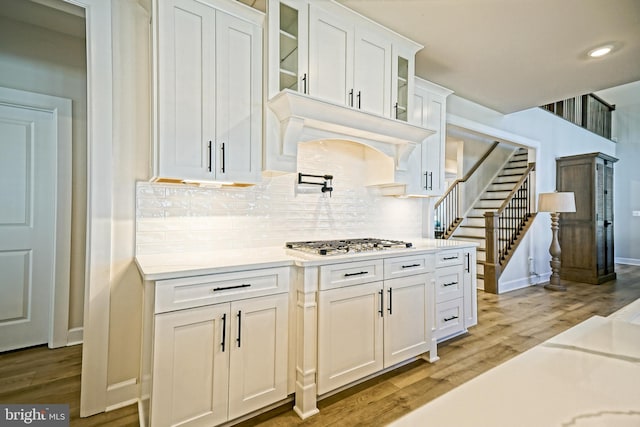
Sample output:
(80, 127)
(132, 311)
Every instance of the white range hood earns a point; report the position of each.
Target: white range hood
(304, 118)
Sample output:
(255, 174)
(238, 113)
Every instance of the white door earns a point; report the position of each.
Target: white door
(406, 326)
(238, 99)
(350, 328)
(28, 162)
(258, 348)
(186, 69)
(372, 73)
(330, 57)
(191, 370)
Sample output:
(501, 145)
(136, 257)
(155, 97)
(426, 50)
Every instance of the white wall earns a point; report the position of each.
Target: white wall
(131, 151)
(626, 130)
(39, 60)
(556, 137)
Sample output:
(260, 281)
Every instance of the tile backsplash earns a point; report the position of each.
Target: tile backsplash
(183, 218)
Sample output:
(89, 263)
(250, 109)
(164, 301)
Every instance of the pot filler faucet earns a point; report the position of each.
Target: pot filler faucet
(325, 178)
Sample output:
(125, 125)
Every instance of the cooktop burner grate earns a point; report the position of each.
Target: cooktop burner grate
(335, 247)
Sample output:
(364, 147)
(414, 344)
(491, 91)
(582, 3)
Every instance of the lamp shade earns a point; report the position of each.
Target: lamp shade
(556, 202)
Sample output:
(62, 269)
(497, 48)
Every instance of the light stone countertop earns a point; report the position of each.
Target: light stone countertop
(175, 265)
(586, 376)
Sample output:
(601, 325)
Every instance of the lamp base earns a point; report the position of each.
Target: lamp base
(553, 287)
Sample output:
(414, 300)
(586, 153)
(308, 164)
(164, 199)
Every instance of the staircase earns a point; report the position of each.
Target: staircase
(505, 186)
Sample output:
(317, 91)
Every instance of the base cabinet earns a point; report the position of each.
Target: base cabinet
(214, 363)
(456, 293)
(364, 328)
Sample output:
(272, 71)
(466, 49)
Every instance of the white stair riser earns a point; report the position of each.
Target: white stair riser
(494, 204)
(501, 187)
(480, 268)
(470, 231)
(474, 222)
(497, 194)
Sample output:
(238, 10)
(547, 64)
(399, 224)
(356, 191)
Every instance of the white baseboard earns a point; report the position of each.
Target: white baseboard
(74, 336)
(122, 394)
(628, 261)
(523, 282)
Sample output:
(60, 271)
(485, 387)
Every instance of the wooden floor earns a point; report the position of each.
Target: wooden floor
(507, 325)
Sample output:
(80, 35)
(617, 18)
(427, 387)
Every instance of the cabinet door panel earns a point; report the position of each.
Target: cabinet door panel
(372, 71)
(406, 330)
(350, 341)
(330, 57)
(238, 97)
(185, 64)
(258, 372)
(190, 373)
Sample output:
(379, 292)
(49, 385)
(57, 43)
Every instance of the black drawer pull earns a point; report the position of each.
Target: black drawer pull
(449, 284)
(381, 311)
(360, 273)
(449, 258)
(412, 265)
(244, 285)
(224, 331)
(448, 319)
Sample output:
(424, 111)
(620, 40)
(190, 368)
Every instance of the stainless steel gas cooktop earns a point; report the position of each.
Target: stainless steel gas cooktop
(336, 247)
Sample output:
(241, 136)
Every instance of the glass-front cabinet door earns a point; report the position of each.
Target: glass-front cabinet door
(402, 81)
(288, 41)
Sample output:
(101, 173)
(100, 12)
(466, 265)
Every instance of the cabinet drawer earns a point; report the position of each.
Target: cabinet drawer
(177, 294)
(449, 318)
(449, 283)
(449, 257)
(408, 265)
(350, 273)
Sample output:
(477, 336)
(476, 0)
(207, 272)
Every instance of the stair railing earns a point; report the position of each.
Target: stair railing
(505, 225)
(447, 213)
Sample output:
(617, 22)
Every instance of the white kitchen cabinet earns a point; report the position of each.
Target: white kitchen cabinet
(209, 100)
(366, 327)
(456, 294)
(470, 288)
(191, 369)
(349, 64)
(406, 325)
(212, 363)
(288, 23)
(350, 334)
(429, 111)
(402, 82)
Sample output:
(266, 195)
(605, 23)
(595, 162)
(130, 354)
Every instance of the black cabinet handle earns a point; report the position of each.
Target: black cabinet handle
(224, 331)
(448, 319)
(390, 309)
(395, 107)
(381, 310)
(304, 82)
(209, 156)
(449, 258)
(468, 256)
(244, 285)
(411, 265)
(449, 284)
(426, 180)
(430, 180)
(351, 98)
(239, 328)
(359, 100)
(223, 160)
(360, 273)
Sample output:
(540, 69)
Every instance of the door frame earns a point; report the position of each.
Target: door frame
(60, 109)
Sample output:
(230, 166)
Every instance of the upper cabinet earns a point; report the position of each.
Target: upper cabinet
(209, 91)
(429, 111)
(330, 52)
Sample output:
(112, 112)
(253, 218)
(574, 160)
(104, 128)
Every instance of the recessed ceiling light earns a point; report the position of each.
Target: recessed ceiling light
(600, 51)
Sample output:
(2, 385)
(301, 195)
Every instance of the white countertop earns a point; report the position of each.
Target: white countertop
(586, 376)
(173, 265)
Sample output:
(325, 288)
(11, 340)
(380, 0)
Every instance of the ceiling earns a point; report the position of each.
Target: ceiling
(510, 55)
(507, 55)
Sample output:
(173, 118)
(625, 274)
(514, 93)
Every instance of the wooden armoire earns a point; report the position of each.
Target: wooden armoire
(586, 236)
